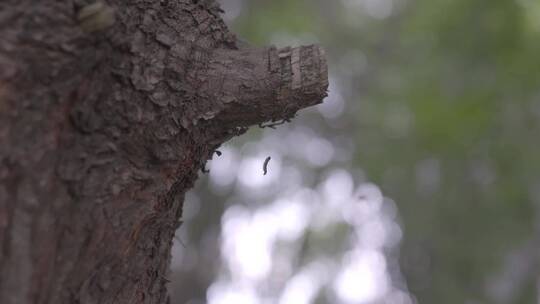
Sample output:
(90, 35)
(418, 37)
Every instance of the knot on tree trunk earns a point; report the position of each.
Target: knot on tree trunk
(251, 86)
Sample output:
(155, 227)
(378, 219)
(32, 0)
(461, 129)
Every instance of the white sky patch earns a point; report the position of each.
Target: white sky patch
(226, 293)
(337, 187)
(363, 277)
(291, 218)
(248, 238)
(373, 233)
(247, 244)
(361, 209)
(335, 193)
(304, 286)
(300, 289)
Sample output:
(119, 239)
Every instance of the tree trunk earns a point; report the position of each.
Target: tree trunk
(107, 112)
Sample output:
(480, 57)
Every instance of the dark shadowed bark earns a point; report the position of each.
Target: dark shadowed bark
(107, 112)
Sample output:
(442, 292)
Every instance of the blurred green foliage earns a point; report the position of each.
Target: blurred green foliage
(445, 112)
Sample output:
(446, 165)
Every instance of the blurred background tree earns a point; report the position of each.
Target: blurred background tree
(437, 103)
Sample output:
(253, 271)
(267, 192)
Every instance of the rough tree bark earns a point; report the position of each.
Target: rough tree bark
(107, 112)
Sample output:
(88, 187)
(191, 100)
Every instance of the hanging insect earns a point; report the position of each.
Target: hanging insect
(265, 165)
